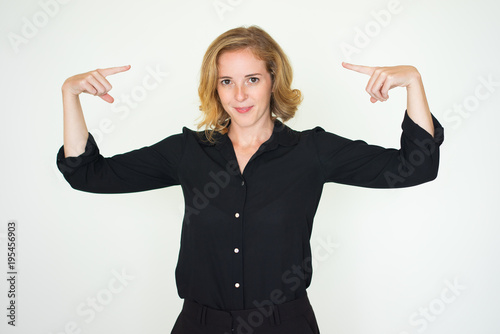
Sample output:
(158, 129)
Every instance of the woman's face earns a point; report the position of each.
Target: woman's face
(244, 88)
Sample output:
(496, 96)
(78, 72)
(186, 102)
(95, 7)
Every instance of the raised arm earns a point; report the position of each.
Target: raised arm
(382, 79)
(82, 165)
(75, 128)
(355, 162)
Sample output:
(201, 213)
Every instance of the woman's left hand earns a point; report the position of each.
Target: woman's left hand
(385, 78)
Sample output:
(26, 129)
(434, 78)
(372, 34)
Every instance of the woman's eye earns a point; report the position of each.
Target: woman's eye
(225, 82)
(254, 80)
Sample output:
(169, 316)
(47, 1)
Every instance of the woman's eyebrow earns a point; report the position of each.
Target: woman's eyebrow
(246, 76)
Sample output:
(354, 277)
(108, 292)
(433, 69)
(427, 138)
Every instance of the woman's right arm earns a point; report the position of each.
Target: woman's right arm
(79, 160)
(75, 129)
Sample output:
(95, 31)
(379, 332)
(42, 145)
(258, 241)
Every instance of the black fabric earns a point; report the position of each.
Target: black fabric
(245, 236)
(294, 317)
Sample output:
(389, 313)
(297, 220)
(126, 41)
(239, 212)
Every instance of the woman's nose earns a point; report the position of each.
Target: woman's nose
(240, 93)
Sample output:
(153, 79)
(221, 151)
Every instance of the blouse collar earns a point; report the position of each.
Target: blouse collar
(282, 135)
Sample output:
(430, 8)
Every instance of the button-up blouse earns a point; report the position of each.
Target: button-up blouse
(245, 238)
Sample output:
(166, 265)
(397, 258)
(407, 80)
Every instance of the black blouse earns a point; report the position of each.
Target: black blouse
(245, 238)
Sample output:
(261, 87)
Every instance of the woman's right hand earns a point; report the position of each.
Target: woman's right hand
(93, 82)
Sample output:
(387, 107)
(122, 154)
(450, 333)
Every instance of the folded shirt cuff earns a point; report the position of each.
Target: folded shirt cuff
(69, 165)
(416, 132)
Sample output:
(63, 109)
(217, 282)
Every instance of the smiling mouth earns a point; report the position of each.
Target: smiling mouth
(243, 110)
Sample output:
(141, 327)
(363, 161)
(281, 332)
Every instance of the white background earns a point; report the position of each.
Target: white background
(395, 249)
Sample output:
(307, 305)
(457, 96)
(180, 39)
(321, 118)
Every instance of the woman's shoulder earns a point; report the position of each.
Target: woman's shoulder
(307, 132)
(202, 136)
(290, 136)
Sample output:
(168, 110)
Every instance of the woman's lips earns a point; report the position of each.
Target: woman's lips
(243, 110)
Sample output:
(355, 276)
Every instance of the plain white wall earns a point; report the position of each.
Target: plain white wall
(384, 259)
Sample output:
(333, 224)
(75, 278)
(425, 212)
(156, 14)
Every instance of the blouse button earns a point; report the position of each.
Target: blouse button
(236, 214)
(242, 183)
(236, 250)
(237, 285)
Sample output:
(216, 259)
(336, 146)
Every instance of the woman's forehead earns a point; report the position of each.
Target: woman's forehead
(240, 62)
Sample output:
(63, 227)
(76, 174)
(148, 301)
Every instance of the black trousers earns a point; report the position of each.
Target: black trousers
(294, 317)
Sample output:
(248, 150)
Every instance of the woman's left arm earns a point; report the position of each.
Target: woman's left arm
(382, 79)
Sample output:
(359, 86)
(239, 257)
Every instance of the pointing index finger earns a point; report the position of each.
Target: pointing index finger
(368, 70)
(113, 70)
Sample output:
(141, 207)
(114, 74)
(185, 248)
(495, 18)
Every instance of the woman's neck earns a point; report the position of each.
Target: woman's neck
(252, 135)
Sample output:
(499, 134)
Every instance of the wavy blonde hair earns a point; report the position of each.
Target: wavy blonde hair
(284, 99)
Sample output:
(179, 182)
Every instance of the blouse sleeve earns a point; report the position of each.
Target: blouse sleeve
(146, 168)
(354, 162)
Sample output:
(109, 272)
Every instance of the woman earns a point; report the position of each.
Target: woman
(251, 184)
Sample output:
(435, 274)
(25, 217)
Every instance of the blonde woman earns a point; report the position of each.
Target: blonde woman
(251, 184)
